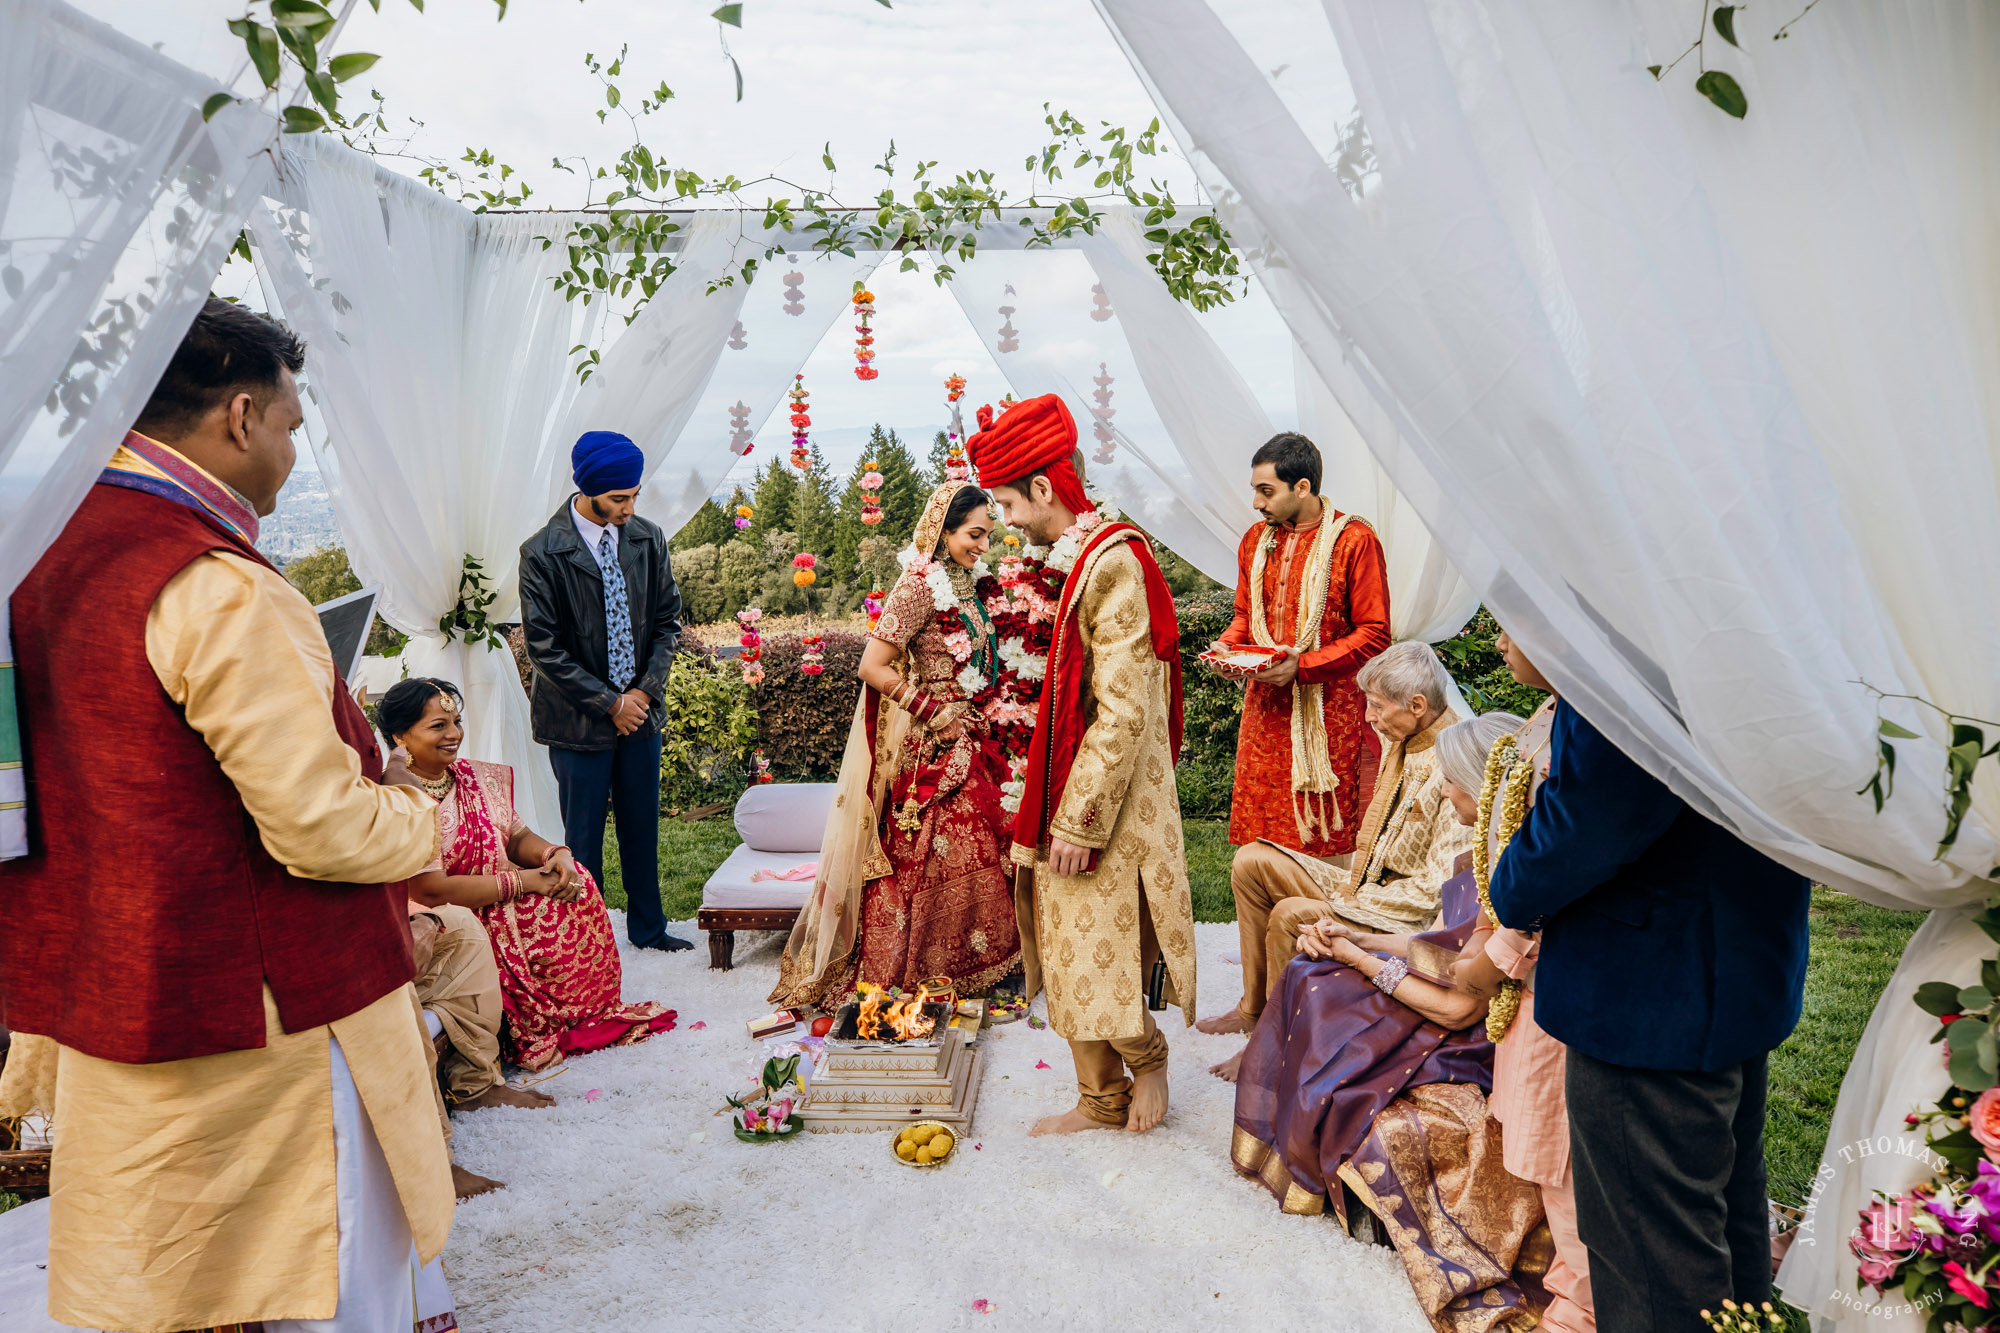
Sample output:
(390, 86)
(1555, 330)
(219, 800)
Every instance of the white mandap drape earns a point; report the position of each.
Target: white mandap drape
(444, 403)
(1168, 422)
(117, 205)
(1714, 401)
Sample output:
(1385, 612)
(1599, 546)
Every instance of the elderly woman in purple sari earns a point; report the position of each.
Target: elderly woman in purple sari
(1369, 1070)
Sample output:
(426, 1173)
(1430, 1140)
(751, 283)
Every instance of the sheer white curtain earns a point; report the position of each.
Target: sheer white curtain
(1428, 598)
(428, 454)
(446, 403)
(117, 206)
(1716, 397)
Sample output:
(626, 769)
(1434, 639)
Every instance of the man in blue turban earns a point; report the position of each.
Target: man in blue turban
(602, 619)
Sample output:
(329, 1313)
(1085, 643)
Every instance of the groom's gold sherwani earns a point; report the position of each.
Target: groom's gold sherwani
(1089, 940)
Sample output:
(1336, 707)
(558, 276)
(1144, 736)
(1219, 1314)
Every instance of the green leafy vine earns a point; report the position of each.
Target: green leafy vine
(468, 618)
(1963, 756)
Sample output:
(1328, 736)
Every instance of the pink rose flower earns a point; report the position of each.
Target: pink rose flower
(1877, 1275)
(1983, 1119)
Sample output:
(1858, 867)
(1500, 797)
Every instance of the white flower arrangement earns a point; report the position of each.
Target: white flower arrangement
(938, 579)
(971, 680)
(1015, 787)
(1027, 665)
(1062, 556)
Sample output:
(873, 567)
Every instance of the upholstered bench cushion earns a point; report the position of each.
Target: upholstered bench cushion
(731, 885)
(784, 817)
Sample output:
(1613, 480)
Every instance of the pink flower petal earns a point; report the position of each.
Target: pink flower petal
(1041, 1064)
(977, 1146)
(593, 1094)
(696, 1027)
(982, 1306)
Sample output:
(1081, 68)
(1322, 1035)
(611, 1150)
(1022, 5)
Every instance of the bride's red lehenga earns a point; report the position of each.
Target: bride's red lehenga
(946, 908)
(914, 881)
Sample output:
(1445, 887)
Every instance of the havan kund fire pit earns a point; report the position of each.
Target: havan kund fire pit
(890, 1061)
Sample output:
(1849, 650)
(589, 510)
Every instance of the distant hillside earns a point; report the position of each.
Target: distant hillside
(302, 523)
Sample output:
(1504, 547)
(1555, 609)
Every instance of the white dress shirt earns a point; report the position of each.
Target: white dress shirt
(592, 532)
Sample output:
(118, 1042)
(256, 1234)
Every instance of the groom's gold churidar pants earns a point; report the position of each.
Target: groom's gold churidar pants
(1103, 1088)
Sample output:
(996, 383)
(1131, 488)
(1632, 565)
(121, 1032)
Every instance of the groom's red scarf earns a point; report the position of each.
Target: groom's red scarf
(1059, 723)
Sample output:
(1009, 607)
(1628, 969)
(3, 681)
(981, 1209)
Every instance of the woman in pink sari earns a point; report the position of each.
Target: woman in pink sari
(551, 935)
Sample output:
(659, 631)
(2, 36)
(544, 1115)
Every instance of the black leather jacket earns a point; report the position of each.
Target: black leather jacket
(562, 619)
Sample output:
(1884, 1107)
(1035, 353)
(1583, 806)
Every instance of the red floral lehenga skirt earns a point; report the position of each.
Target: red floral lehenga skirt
(946, 909)
(559, 971)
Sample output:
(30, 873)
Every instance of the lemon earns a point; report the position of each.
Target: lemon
(906, 1150)
(941, 1143)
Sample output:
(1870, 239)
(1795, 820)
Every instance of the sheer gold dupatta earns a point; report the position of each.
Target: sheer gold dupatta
(850, 854)
(850, 851)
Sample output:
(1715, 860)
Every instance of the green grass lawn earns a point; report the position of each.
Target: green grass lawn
(1854, 951)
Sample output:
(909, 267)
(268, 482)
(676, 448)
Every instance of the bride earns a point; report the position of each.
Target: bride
(913, 882)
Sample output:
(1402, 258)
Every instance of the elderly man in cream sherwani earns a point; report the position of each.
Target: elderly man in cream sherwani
(1408, 840)
(203, 940)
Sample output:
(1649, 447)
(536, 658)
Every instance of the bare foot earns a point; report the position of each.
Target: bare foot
(1149, 1101)
(465, 1184)
(502, 1095)
(1223, 1024)
(1226, 1071)
(1069, 1122)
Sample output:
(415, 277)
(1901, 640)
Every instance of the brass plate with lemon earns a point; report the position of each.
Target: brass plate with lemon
(917, 1145)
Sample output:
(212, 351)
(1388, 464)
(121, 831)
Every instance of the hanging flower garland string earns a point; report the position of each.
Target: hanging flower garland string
(812, 658)
(864, 343)
(955, 466)
(870, 486)
(801, 422)
(752, 656)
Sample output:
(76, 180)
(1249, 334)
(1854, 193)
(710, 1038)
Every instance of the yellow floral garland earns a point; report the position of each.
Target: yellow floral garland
(1506, 785)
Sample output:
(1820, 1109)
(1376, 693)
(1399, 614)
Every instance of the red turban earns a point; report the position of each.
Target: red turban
(1034, 435)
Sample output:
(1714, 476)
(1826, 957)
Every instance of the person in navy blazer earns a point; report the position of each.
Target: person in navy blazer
(1673, 961)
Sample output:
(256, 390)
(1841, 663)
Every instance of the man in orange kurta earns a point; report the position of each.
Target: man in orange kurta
(1353, 627)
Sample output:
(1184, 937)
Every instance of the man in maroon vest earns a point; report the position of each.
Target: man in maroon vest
(200, 940)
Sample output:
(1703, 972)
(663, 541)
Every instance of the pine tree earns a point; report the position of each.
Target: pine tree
(848, 529)
(903, 489)
(940, 457)
(777, 502)
(818, 508)
(709, 527)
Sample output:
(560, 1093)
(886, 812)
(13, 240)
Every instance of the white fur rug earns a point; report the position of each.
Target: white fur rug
(639, 1210)
(635, 1209)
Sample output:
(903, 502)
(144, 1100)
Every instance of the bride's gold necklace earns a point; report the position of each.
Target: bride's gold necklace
(437, 790)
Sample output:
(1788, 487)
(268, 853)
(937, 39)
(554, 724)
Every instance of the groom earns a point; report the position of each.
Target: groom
(1099, 829)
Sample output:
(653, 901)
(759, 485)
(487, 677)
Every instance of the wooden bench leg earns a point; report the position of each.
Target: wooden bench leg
(721, 950)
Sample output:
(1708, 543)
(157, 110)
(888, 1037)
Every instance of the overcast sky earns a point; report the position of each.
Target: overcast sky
(954, 80)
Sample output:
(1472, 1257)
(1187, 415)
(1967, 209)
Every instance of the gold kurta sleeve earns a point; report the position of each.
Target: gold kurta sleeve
(1115, 627)
(242, 652)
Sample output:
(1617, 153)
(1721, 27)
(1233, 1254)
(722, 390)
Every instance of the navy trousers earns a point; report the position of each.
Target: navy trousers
(626, 779)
